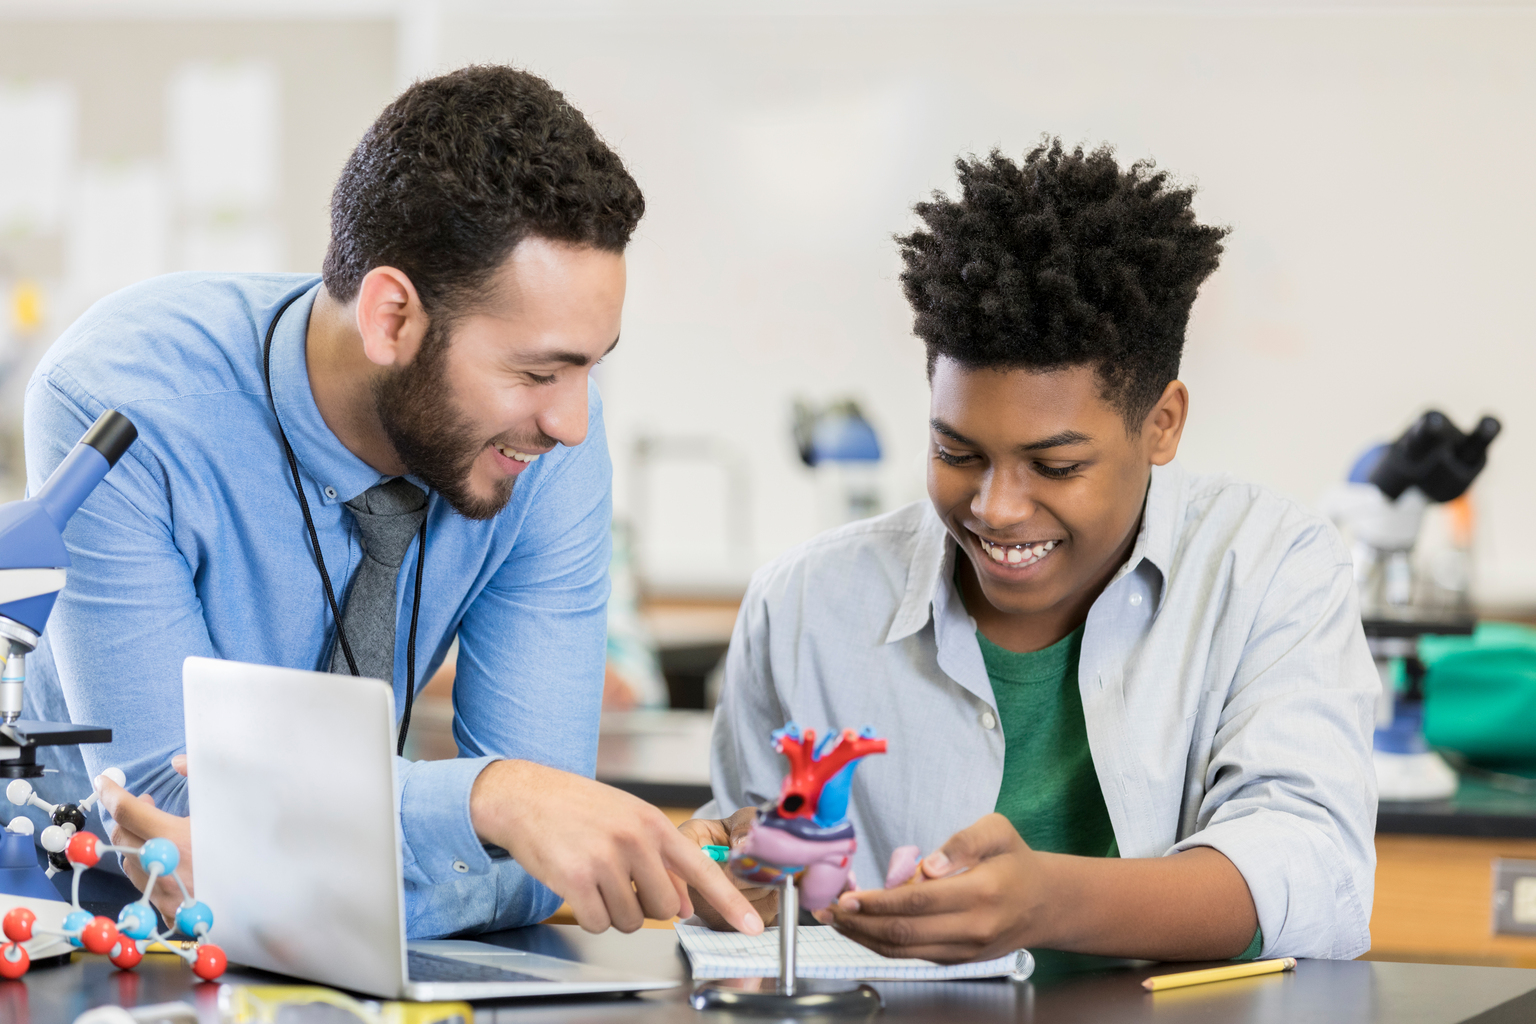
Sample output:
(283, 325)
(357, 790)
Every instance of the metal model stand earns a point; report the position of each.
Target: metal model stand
(788, 1000)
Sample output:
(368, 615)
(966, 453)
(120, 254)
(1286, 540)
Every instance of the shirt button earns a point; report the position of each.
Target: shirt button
(988, 720)
(461, 867)
(1135, 600)
(330, 492)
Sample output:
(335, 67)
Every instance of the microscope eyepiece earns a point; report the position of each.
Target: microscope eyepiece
(111, 435)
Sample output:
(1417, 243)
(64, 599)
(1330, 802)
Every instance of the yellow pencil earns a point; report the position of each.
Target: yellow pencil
(1218, 974)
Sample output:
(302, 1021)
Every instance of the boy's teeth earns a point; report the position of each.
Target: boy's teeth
(1017, 554)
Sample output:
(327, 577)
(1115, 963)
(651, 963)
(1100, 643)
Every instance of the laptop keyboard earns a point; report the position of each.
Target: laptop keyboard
(426, 967)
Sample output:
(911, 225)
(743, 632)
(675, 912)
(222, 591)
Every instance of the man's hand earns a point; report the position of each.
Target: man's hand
(136, 819)
(730, 832)
(986, 893)
(616, 859)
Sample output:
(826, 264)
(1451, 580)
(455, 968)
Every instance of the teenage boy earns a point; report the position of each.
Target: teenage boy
(1148, 690)
(343, 472)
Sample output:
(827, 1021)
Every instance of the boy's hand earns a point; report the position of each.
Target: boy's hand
(986, 893)
(982, 896)
(730, 832)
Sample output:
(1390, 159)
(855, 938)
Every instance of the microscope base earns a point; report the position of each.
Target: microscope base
(20, 873)
(1419, 776)
(20, 739)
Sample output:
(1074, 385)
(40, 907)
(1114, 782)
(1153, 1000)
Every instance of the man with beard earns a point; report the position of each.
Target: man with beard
(419, 426)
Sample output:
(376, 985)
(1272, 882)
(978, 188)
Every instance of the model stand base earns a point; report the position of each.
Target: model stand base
(791, 996)
(862, 1001)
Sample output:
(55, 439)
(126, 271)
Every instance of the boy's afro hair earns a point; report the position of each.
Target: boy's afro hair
(1064, 260)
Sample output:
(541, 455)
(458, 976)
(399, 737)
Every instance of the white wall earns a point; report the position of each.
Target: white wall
(133, 143)
(1374, 165)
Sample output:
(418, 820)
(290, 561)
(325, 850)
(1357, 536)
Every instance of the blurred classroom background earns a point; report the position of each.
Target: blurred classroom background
(1371, 158)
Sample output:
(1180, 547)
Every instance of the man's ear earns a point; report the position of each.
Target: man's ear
(1164, 425)
(390, 317)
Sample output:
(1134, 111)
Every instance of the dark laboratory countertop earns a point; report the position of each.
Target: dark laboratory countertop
(1477, 809)
(1084, 989)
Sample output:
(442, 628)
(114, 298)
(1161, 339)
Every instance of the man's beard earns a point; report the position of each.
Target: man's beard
(420, 416)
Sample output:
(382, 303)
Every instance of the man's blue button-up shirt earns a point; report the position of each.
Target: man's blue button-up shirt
(195, 544)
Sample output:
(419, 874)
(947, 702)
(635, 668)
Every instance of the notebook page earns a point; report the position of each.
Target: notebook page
(823, 952)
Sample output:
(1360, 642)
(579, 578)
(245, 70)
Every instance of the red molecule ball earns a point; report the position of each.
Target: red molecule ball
(211, 962)
(100, 935)
(14, 961)
(126, 955)
(18, 924)
(82, 849)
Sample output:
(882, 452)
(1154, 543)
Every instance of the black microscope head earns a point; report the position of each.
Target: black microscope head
(1436, 457)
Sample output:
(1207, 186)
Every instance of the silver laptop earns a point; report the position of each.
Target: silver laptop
(296, 843)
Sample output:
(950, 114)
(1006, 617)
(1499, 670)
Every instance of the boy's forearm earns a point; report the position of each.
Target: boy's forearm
(1193, 905)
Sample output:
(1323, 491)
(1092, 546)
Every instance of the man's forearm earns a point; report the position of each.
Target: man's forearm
(1194, 905)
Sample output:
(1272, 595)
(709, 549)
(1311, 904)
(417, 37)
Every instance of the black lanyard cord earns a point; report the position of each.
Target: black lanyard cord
(314, 540)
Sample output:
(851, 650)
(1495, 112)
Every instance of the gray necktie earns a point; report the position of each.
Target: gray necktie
(389, 515)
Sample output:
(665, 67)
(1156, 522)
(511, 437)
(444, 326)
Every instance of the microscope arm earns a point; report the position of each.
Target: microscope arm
(19, 584)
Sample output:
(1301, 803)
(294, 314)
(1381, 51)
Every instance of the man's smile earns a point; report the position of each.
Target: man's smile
(511, 460)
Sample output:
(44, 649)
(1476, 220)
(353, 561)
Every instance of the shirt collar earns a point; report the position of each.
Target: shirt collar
(931, 569)
(1159, 532)
(338, 474)
(931, 564)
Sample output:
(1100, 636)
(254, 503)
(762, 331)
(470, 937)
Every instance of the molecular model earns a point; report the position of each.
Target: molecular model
(807, 834)
(67, 818)
(137, 926)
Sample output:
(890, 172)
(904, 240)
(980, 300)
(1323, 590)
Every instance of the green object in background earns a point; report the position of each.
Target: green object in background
(1488, 635)
(1480, 693)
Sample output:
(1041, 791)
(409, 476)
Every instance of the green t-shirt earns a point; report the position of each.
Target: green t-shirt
(1050, 789)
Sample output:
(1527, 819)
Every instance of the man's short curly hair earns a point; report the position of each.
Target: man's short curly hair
(461, 168)
(1064, 260)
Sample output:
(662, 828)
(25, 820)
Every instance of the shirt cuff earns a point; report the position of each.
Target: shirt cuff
(440, 844)
(1302, 884)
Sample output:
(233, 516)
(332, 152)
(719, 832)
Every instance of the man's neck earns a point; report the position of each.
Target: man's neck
(341, 378)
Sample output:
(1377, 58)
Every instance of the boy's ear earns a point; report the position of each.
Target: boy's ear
(1164, 425)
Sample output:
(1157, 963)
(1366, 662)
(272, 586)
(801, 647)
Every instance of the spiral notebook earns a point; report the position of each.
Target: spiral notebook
(823, 952)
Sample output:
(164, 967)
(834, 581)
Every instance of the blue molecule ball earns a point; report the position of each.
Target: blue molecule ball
(194, 921)
(162, 852)
(73, 923)
(137, 920)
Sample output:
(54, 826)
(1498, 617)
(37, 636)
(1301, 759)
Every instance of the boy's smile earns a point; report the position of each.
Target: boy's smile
(1039, 483)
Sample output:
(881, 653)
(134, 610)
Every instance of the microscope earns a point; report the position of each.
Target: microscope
(1382, 508)
(33, 567)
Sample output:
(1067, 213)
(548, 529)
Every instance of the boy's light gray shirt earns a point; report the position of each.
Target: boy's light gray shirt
(1227, 688)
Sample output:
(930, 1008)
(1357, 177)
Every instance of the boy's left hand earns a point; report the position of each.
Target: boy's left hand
(982, 896)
